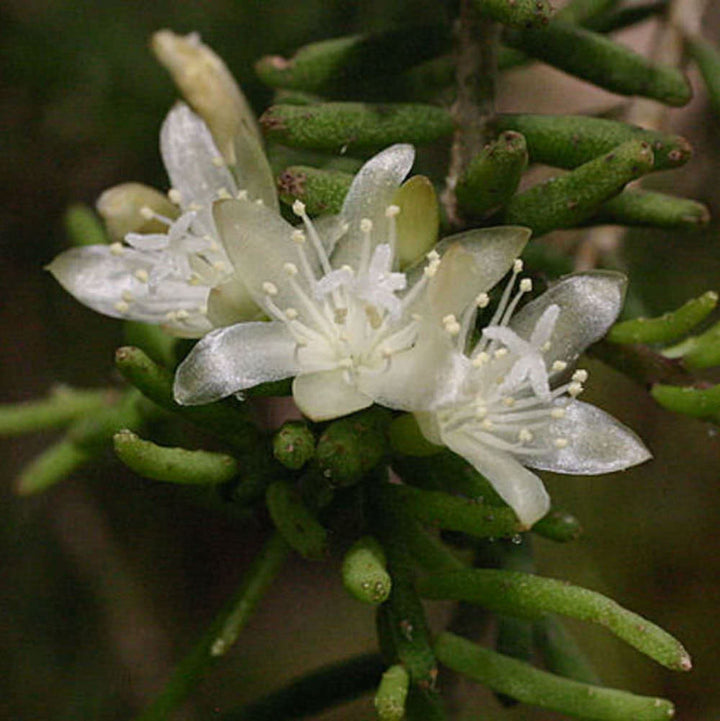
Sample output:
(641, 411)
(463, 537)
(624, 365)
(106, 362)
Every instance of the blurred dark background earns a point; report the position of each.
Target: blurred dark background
(108, 578)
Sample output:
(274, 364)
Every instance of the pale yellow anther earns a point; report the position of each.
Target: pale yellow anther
(560, 442)
(366, 225)
(259, 201)
(122, 307)
(518, 266)
(201, 309)
(525, 435)
(220, 266)
(433, 256)
(575, 389)
(348, 268)
(142, 275)
(559, 365)
(170, 315)
(580, 375)
(147, 213)
(297, 236)
(480, 359)
(218, 162)
(545, 346)
(298, 207)
(481, 412)
(174, 196)
(195, 207)
(557, 413)
(392, 211)
(269, 288)
(194, 279)
(291, 313)
(291, 269)
(482, 300)
(127, 296)
(487, 424)
(242, 195)
(117, 248)
(182, 314)
(500, 352)
(451, 325)
(509, 401)
(526, 285)
(223, 194)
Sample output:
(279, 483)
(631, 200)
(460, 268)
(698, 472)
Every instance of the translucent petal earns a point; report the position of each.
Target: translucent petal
(326, 395)
(596, 443)
(258, 242)
(252, 169)
(108, 282)
(472, 263)
(188, 151)
(419, 219)
(521, 489)
(231, 302)
(232, 359)
(589, 304)
(371, 192)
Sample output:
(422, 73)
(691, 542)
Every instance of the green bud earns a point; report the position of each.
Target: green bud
(598, 60)
(565, 201)
(702, 403)
(83, 227)
(173, 465)
(493, 175)
(392, 694)
(123, 208)
(566, 141)
(364, 572)
(657, 210)
(158, 344)
(53, 465)
(419, 220)
(355, 126)
(559, 526)
(668, 327)
(516, 13)
(700, 351)
(352, 446)
(331, 66)
(294, 444)
(295, 522)
(322, 191)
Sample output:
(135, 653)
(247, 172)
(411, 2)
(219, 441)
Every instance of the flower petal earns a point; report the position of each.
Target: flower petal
(371, 192)
(232, 359)
(589, 304)
(105, 278)
(521, 489)
(252, 169)
(326, 395)
(596, 443)
(258, 242)
(188, 151)
(231, 302)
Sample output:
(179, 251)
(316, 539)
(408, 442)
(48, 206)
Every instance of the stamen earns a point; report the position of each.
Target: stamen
(291, 313)
(174, 196)
(525, 285)
(557, 413)
(298, 207)
(291, 269)
(147, 213)
(242, 195)
(580, 375)
(575, 389)
(452, 327)
(525, 436)
(518, 266)
(482, 300)
(127, 296)
(117, 248)
(559, 365)
(142, 275)
(480, 359)
(297, 236)
(392, 211)
(560, 442)
(182, 314)
(269, 288)
(218, 162)
(122, 307)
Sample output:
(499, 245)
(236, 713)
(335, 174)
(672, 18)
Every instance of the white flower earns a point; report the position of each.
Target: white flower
(345, 322)
(510, 403)
(166, 277)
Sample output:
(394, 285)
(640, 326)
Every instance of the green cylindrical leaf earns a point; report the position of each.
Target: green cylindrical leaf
(493, 175)
(528, 596)
(657, 210)
(516, 13)
(53, 465)
(351, 447)
(558, 526)
(566, 141)
(598, 60)
(174, 465)
(707, 57)
(294, 444)
(560, 653)
(624, 17)
(452, 513)
(355, 126)
(665, 328)
(364, 572)
(567, 200)
(83, 227)
(62, 406)
(322, 191)
(338, 65)
(407, 438)
(703, 403)
(392, 693)
(152, 339)
(295, 522)
(540, 688)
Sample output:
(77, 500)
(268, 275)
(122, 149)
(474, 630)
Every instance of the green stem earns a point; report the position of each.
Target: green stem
(315, 692)
(222, 633)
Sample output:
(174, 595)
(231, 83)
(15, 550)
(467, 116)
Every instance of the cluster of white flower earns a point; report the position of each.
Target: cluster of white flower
(325, 302)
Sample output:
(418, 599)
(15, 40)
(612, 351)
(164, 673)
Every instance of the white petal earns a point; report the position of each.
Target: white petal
(326, 395)
(596, 443)
(188, 151)
(589, 304)
(521, 489)
(472, 263)
(233, 359)
(252, 169)
(371, 192)
(231, 302)
(258, 242)
(108, 283)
